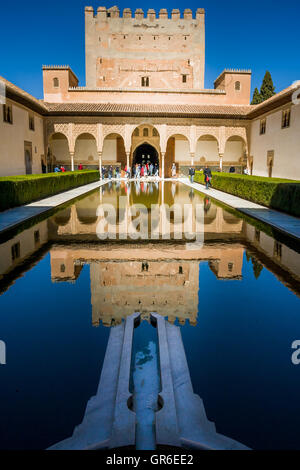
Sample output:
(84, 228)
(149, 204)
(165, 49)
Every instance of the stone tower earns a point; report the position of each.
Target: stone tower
(144, 51)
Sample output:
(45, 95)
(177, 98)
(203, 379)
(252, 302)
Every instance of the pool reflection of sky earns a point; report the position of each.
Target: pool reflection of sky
(54, 358)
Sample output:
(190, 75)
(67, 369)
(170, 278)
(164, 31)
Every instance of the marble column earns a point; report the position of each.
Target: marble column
(72, 160)
(100, 164)
(162, 172)
(221, 155)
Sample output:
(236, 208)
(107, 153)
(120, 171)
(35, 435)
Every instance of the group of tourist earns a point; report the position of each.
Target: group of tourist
(207, 175)
(61, 169)
(110, 172)
(137, 171)
(143, 170)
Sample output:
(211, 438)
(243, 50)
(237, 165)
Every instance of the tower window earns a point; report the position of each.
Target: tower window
(7, 114)
(145, 81)
(31, 122)
(263, 124)
(286, 119)
(15, 251)
(277, 250)
(55, 82)
(184, 78)
(237, 86)
(37, 237)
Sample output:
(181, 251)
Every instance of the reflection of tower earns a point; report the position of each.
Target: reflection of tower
(152, 278)
(229, 265)
(122, 288)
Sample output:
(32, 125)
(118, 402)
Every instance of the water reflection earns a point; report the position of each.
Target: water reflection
(160, 278)
(155, 276)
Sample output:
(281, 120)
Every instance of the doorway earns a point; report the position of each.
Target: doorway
(28, 158)
(145, 153)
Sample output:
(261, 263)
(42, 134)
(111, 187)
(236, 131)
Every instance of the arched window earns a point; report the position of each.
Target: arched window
(237, 86)
(55, 82)
(145, 132)
(155, 133)
(136, 132)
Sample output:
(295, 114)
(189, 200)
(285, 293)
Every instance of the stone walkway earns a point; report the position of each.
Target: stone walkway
(283, 222)
(12, 217)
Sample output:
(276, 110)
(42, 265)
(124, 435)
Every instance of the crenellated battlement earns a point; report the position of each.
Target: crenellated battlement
(104, 13)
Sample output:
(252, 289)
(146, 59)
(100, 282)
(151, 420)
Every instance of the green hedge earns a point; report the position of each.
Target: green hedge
(23, 189)
(280, 194)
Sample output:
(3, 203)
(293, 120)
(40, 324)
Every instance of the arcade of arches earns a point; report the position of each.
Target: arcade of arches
(97, 145)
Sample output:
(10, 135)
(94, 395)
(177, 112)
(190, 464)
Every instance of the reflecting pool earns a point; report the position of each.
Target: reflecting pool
(232, 285)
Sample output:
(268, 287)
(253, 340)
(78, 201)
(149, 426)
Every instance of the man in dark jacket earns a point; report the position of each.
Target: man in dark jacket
(192, 174)
(207, 177)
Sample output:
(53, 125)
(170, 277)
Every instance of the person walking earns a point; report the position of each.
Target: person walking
(80, 167)
(207, 177)
(192, 174)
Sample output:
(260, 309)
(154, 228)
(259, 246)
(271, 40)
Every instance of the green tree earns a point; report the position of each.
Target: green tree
(267, 89)
(256, 97)
(257, 268)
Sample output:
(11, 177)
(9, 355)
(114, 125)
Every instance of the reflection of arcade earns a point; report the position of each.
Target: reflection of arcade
(143, 279)
(82, 217)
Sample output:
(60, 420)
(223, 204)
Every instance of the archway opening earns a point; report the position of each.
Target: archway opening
(58, 152)
(145, 153)
(235, 155)
(86, 152)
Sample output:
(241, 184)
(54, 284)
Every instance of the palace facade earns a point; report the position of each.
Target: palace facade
(145, 99)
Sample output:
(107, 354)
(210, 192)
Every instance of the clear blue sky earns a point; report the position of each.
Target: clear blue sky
(257, 35)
